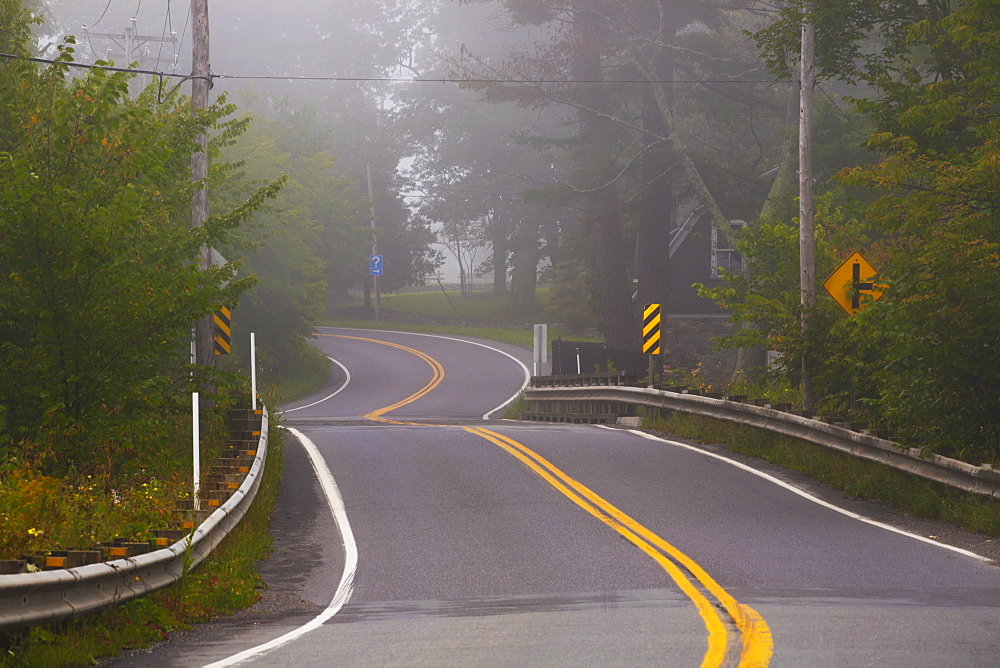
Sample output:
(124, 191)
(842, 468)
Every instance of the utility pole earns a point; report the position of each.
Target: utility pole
(200, 84)
(807, 257)
(134, 47)
(371, 200)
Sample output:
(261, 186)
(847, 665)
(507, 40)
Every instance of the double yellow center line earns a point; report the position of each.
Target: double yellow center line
(757, 644)
(436, 368)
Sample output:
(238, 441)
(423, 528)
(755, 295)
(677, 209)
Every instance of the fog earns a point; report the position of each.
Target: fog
(509, 177)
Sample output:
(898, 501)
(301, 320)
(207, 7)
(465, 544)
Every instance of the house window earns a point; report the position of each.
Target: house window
(723, 254)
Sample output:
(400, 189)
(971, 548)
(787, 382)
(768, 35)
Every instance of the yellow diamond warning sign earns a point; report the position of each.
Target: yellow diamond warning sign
(851, 284)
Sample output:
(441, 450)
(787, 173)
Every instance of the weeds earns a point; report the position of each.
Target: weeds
(516, 408)
(857, 477)
(226, 581)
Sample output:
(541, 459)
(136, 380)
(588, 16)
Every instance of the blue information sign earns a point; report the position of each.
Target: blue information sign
(375, 265)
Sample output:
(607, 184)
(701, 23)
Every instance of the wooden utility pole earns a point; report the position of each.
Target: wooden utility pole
(200, 84)
(807, 257)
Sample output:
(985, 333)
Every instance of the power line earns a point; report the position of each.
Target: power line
(163, 33)
(187, 19)
(392, 79)
(108, 68)
(103, 14)
(485, 80)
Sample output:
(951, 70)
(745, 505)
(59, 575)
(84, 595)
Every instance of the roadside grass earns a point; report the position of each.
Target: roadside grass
(516, 408)
(298, 377)
(857, 477)
(483, 304)
(82, 511)
(225, 582)
(519, 337)
(41, 512)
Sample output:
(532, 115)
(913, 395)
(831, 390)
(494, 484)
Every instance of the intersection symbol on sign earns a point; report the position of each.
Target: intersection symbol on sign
(850, 281)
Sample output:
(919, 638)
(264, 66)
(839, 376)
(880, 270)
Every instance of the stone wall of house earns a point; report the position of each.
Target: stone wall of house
(689, 344)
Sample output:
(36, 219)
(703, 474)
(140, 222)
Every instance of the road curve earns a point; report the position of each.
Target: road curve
(512, 543)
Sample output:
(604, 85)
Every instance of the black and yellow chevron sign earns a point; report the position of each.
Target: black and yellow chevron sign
(223, 333)
(651, 329)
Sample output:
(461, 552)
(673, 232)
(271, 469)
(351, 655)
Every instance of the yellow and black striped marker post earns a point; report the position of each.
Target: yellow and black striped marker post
(223, 332)
(651, 329)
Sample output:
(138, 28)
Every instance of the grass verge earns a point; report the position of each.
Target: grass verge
(857, 477)
(478, 304)
(517, 337)
(305, 373)
(225, 582)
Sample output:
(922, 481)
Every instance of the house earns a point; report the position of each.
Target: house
(697, 251)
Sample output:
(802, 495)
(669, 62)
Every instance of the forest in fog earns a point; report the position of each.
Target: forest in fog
(584, 145)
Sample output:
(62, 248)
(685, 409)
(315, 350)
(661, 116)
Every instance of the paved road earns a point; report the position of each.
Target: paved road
(454, 540)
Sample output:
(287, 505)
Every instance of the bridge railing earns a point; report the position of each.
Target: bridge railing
(549, 399)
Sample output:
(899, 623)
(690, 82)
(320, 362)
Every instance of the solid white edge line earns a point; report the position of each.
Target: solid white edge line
(346, 586)
(329, 396)
(527, 373)
(804, 494)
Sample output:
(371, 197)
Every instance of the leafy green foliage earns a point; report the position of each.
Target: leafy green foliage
(41, 512)
(226, 581)
(100, 283)
(924, 355)
(765, 303)
(314, 242)
(941, 213)
(855, 39)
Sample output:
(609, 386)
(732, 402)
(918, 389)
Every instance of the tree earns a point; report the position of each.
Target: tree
(933, 223)
(936, 125)
(100, 286)
(303, 251)
(630, 161)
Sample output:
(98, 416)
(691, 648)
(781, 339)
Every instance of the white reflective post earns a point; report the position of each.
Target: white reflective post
(541, 347)
(253, 369)
(197, 449)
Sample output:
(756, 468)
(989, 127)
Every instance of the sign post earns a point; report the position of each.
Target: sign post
(651, 334)
(376, 269)
(846, 285)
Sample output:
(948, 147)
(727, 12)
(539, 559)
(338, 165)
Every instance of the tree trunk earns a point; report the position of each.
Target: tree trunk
(499, 234)
(656, 214)
(524, 278)
(752, 361)
(603, 210)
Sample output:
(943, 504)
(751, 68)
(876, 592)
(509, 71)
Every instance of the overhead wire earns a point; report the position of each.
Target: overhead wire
(394, 79)
(180, 47)
(163, 35)
(103, 14)
(274, 77)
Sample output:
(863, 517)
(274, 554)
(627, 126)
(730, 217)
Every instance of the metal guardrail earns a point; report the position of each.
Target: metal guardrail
(607, 400)
(28, 599)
